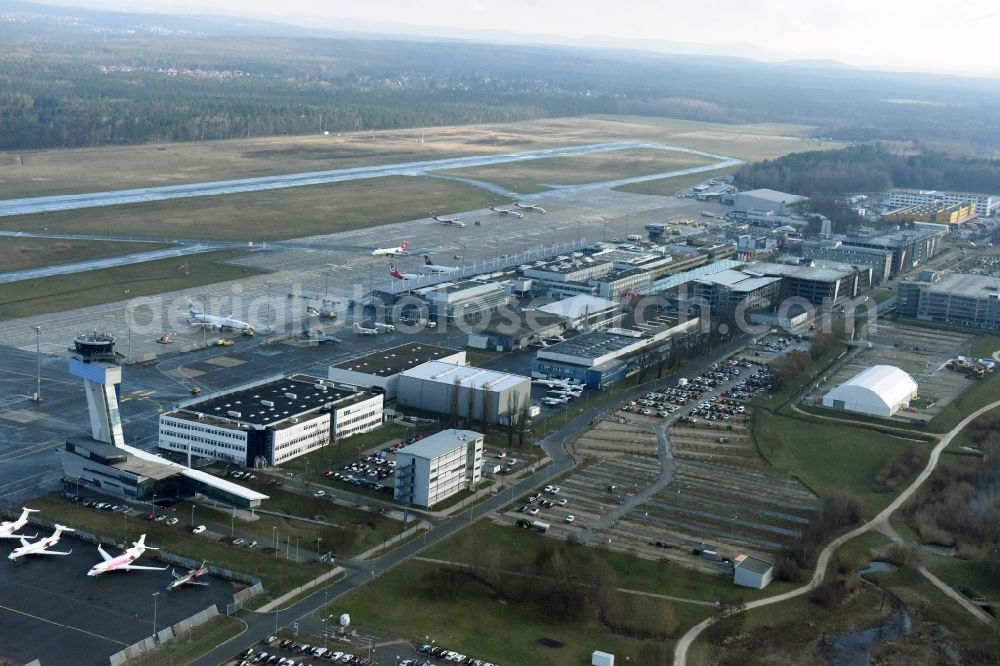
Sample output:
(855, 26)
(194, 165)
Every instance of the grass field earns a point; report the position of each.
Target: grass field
(120, 167)
(985, 346)
(188, 647)
(533, 176)
(671, 186)
(270, 215)
(67, 292)
(17, 254)
(518, 548)
(829, 458)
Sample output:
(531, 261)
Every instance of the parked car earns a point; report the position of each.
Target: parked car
(198, 530)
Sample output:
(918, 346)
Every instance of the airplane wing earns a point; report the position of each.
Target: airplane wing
(195, 582)
(130, 567)
(22, 537)
(24, 542)
(52, 552)
(104, 555)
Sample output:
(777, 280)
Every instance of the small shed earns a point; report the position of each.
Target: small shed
(752, 572)
(602, 659)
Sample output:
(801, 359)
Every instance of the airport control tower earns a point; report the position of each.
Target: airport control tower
(102, 382)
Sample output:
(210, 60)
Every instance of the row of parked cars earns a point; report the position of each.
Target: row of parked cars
(447, 655)
(304, 650)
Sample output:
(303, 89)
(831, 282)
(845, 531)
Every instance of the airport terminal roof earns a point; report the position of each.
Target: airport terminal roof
(774, 196)
(272, 402)
(737, 280)
(440, 443)
(469, 376)
(204, 477)
(578, 306)
(818, 271)
(392, 361)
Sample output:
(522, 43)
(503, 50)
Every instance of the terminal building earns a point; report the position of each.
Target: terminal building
(951, 298)
(567, 276)
(105, 462)
(601, 358)
(437, 467)
(463, 391)
(583, 311)
(380, 370)
(910, 248)
(729, 289)
(505, 335)
(469, 301)
(271, 422)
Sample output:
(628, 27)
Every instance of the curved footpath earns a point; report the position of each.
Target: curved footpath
(822, 563)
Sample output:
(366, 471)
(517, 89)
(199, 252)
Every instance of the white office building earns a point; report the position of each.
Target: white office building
(986, 204)
(271, 422)
(438, 466)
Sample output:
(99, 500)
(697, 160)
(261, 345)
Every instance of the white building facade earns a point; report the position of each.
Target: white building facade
(438, 466)
(881, 390)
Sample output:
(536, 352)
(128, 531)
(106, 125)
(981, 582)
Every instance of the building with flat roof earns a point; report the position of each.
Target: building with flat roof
(767, 201)
(583, 311)
(600, 358)
(463, 391)
(567, 275)
(380, 370)
(104, 461)
(952, 298)
(729, 289)
(469, 301)
(879, 259)
(752, 572)
(530, 327)
(933, 212)
(880, 390)
(986, 204)
(437, 467)
(270, 422)
(910, 247)
(820, 283)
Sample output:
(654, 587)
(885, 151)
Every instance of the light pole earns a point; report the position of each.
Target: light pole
(192, 516)
(232, 525)
(128, 322)
(268, 306)
(155, 594)
(318, 539)
(274, 542)
(38, 363)
(297, 548)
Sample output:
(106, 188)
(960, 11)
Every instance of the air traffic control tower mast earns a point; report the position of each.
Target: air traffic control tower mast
(102, 382)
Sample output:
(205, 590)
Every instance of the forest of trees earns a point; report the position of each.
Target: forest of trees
(869, 168)
(66, 88)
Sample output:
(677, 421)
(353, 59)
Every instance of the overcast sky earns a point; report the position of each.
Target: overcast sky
(920, 35)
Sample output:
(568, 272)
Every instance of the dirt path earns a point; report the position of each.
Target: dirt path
(822, 563)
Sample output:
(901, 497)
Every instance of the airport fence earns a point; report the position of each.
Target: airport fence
(140, 649)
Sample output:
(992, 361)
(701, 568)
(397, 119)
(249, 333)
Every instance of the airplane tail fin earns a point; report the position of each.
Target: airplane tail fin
(394, 272)
(192, 308)
(404, 245)
(427, 260)
(63, 528)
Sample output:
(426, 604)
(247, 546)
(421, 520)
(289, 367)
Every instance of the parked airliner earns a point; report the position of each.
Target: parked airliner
(124, 561)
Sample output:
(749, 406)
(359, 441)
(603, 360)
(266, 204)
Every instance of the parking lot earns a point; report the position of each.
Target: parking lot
(921, 352)
(337, 646)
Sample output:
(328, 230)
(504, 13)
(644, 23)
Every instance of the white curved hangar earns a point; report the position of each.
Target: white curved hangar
(881, 390)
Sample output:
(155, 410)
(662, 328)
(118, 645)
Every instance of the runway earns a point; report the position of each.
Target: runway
(53, 203)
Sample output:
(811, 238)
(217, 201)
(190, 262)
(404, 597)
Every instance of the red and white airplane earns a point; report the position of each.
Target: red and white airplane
(506, 211)
(530, 206)
(448, 220)
(431, 267)
(394, 272)
(41, 547)
(190, 578)
(124, 561)
(8, 528)
(391, 251)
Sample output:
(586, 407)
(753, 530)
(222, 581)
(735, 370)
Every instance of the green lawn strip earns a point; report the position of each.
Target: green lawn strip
(279, 214)
(985, 346)
(477, 624)
(971, 578)
(813, 368)
(518, 549)
(186, 648)
(23, 253)
(67, 292)
(829, 458)
(668, 187)
(276, 575)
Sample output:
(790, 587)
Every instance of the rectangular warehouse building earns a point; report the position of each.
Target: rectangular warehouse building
(437, 467)
(380, 370)
(271, 422)
(463, 391)
(770, 201)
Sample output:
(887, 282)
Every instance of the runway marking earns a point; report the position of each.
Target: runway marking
(60, 624)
